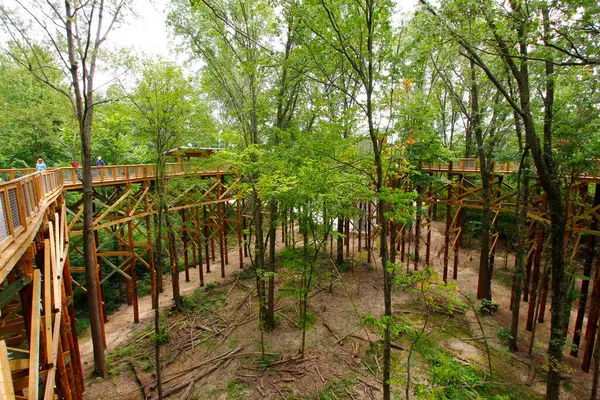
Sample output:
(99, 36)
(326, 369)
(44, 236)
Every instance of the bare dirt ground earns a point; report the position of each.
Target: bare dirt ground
(339, 361)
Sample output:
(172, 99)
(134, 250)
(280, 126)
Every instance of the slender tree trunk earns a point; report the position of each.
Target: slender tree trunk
(419, 212)
(521, 214)
(84, 112)
(174, 261)
(304, 291)
(259, 261)
(159, 182)
(270, 318)
(340, 240)
(89, 251)
(484, 286)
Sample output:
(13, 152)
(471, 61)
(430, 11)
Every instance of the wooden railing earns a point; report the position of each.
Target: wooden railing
(471, 165)
(468, 165)
(13, 173)
(21, 199)
(123, 173)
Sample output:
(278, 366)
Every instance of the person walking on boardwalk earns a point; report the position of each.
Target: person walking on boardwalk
(99, 163)
(41, 165)
(76, 170)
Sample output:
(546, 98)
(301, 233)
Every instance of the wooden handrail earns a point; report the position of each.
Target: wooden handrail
(23, 200)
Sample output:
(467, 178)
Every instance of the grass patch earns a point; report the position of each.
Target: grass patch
(236, 390)
(203, 302)
(338, 389)
(82, 325)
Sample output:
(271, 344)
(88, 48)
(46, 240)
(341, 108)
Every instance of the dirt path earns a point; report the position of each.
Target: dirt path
(120, 326)
(364, 289)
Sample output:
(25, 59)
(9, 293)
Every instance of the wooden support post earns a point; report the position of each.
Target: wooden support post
(448, 224)
(48, 289)
(347, 238)
(592, 322)
(184, 234)
(6, 383)
(220, 228)
(589, 253)
(192, 236)
(360, 224)
(239, 234)
(68, 369)
(403, 243)
(62, 378)
(542, 311)
(458, 234)
(206, 239)
(74, 341)
(429, 226)
(214, 228)
(393, 238)
(104, 316)
(529, 262)
(418, 219)
(535, 276)
(126, 281)
(199, 245)
(132, 263)
(495, 223)
(368, 238)
(34, 338)
(246, 244)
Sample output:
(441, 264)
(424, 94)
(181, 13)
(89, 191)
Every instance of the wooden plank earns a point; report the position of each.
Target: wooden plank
(6, 383)
(47, 298)
(34, 342)
(48, 393)
(112, 207)
(115, 253)
(137, 203)
(57, 261)
(18, 364)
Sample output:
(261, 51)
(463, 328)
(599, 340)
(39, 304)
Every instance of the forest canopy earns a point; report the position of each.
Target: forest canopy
(332, 112)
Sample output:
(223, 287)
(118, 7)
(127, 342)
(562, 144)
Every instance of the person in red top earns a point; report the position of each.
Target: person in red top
(75, 165)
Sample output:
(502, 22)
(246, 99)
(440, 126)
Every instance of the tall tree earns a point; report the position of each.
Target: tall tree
(523, 38)
(75, 31)
(163, 98)
(360, 33)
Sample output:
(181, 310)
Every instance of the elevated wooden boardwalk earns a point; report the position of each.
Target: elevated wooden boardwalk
(40, 228)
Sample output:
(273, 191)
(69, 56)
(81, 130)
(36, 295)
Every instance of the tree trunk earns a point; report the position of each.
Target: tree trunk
(521, 216)
(484, 286)
(340, 241)
(174, 261)
(270, 317)
(89, 251)
(419, 212)
(259, 260)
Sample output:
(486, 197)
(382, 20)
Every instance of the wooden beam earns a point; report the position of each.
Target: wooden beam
(112, 207)
(50, 378)
(6, 383)
(48, 298)
(34, 341)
